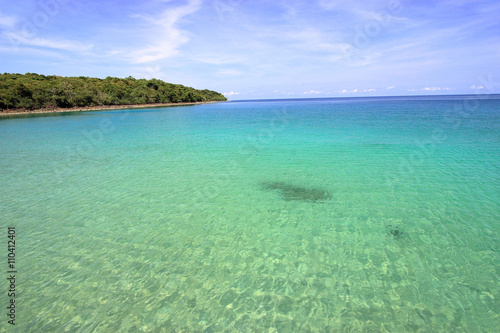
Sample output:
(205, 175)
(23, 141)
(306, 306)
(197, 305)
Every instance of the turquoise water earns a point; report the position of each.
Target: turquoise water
(322, 215)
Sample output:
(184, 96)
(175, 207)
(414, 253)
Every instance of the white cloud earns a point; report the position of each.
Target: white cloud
(435, 88)
(345, 91)
(390, 87)
(473, 87)
(231, 93)
(370, 90)
(163, 34)
(312, 92)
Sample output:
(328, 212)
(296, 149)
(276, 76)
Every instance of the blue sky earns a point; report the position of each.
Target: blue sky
(263, 49)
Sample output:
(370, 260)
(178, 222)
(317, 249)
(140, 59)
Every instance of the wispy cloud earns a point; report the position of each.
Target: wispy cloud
(7, 21)
(16, 35)
(231, 93)
(38, 53)
(17, 39)
(163, 35)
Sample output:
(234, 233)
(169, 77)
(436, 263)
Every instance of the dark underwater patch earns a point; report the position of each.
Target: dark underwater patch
(394, 231)
(291, 192)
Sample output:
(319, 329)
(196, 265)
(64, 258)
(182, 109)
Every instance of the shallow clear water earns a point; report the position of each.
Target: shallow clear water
(206, 219)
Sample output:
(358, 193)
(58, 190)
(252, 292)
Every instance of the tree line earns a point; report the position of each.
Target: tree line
(34, 91)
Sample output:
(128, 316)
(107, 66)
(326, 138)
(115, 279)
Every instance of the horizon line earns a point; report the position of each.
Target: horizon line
(358, 97)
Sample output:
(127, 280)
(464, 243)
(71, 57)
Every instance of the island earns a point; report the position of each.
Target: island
(30, 92)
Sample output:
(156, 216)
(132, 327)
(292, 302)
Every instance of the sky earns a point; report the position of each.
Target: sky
(263, 49)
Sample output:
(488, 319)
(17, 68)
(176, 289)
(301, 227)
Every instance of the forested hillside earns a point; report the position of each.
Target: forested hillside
(33, 91)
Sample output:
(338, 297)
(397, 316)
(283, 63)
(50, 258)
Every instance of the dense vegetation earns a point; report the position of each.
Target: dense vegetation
(33, 91)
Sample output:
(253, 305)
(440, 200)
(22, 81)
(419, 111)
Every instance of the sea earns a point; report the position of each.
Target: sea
(306, 215)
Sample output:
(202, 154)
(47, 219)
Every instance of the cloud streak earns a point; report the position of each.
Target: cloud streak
(23, 35)
(17, 39)
(7, 21)
(163, 35)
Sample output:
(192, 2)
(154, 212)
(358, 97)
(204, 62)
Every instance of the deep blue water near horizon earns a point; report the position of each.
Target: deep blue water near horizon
(318, 215)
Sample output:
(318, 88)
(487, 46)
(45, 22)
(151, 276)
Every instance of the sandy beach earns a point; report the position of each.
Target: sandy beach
(94, 108)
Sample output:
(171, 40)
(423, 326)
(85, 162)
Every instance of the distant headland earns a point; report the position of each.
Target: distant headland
(34, 93)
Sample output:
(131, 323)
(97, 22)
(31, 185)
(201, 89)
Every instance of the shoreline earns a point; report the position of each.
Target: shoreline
(14, 112)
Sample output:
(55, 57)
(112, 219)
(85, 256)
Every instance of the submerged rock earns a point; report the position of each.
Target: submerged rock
(394, 231)
(291, 192)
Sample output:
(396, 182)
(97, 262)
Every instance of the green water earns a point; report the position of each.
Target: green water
(370, 215)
